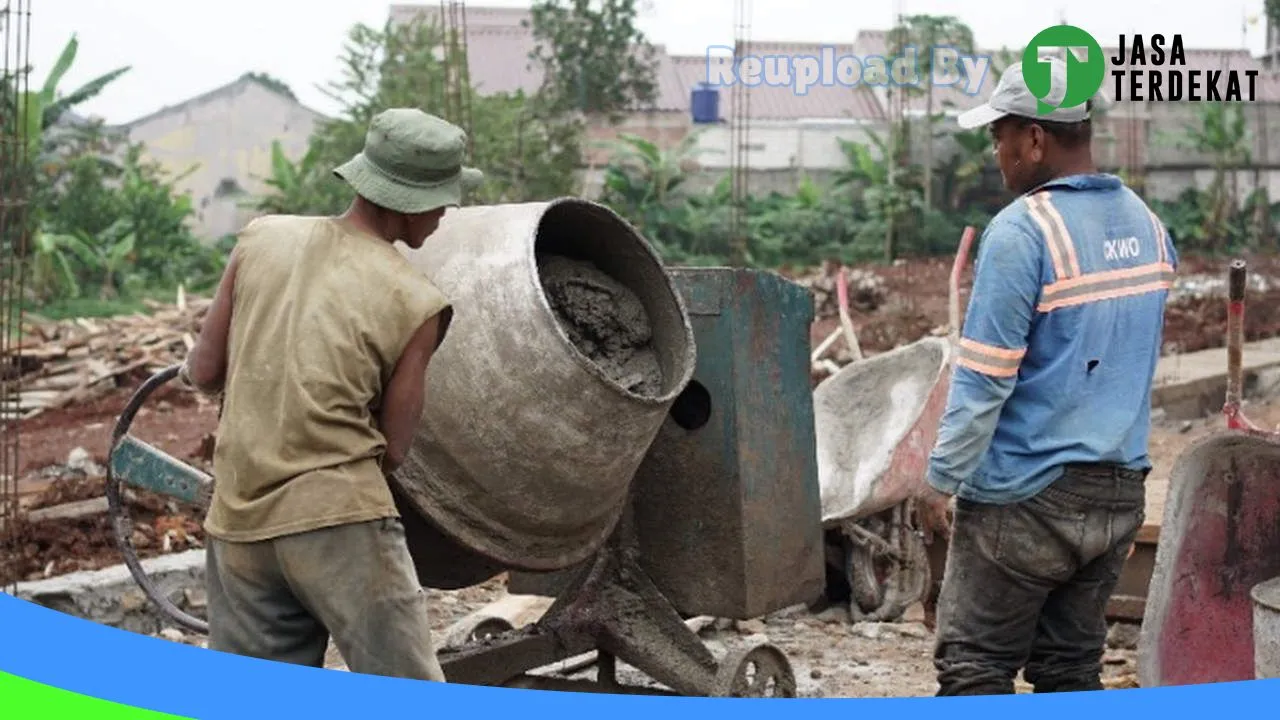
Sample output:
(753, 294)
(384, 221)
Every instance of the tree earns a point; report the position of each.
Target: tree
(123, 222)
(926, 32)
(525, 149)
(54, 105)
(1221, 134)
(595, 60)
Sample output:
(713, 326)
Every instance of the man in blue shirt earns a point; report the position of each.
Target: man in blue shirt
(1043, 443)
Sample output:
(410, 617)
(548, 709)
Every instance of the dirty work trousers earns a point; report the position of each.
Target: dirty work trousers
(281, 600)
(1026, 585)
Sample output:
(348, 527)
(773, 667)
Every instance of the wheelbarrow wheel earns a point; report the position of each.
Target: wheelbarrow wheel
(756, 672)
(884, 586)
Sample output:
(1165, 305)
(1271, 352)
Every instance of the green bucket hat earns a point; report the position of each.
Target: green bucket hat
(411, 163)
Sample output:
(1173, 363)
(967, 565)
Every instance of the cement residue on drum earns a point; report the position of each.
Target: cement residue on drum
(604, 320)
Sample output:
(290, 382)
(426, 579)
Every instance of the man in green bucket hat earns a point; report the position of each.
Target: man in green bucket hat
(318, 339)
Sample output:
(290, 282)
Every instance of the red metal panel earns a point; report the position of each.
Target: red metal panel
(1220, 537)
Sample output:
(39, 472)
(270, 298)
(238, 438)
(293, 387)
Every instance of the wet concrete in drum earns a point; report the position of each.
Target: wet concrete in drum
(604, 320)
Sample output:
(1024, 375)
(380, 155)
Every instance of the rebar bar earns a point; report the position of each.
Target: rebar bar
(15, 231)
(740, 137)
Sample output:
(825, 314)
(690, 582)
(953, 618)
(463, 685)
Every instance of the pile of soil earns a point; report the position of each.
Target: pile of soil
(604, 320)
(35, 550)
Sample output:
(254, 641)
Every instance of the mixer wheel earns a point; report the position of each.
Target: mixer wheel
(760, 671)
(488, 628)
(478, 630)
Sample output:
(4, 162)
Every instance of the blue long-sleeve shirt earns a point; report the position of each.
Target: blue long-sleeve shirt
(1059, 344)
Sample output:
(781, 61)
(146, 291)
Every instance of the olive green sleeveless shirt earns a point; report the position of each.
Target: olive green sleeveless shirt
(321, 313)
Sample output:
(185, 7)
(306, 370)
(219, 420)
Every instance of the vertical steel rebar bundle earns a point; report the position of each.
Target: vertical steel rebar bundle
(740, 135)
(15, 183)
(457, 69)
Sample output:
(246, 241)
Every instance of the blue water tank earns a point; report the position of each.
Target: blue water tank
(705, 103)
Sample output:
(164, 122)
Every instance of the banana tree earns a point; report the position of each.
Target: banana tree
(1222, 134)
(889, 197)
(105, 256)
(641, 180)
(963, 171)
(53, 106)
(290, 192)
(41, 109)
(52, 274)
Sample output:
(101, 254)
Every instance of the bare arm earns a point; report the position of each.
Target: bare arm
(404, 397)
(206, 364)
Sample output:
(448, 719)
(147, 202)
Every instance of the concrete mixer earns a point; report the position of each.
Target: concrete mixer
(574, 430)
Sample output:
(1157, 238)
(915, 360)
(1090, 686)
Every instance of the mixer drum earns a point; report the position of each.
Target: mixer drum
(567, 348)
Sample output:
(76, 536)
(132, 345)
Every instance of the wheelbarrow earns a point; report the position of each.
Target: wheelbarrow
(1219, 539)
(876, 421)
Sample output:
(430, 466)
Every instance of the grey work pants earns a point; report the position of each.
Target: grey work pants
(281, 600)
(1026, 585)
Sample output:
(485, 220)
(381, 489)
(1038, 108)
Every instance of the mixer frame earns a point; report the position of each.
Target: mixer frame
(610, 606)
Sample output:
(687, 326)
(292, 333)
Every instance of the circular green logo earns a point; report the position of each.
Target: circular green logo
(1084, 77)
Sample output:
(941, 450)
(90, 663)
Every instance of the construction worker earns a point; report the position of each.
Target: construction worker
(1043, 444)
(318, 338)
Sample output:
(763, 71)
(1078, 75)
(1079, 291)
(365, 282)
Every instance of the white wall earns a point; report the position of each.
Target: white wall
(779, 145)
(228, 136)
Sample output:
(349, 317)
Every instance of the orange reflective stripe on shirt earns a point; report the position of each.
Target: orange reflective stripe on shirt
(1160, 236)
(1107, 285)
(989, 359)
(1061, 249)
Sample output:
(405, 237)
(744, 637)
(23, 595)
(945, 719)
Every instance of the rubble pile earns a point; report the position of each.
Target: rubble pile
(1200, 286)
(73, 361)
(67, 528)
(867, 290)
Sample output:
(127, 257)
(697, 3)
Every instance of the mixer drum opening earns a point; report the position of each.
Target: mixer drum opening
(610, 299)
(567, 349)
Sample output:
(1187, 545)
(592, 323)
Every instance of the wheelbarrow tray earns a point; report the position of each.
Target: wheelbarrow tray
(1220, 536)
(876, 421)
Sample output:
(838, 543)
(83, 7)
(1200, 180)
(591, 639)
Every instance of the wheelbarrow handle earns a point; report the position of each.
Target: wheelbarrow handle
(957, 269)
(121, 524)
(1236, 282)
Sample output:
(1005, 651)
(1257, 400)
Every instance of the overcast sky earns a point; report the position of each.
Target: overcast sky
(181, 48)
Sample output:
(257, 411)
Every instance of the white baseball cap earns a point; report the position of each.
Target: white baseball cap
(1013, 97)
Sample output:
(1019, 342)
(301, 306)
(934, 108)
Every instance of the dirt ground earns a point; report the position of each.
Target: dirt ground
(830, 656)
(60, 448)
(914, 301)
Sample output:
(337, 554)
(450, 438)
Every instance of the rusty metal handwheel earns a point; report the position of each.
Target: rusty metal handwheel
(756, 672)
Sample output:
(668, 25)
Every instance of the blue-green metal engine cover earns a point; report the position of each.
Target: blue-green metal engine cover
(727, 502)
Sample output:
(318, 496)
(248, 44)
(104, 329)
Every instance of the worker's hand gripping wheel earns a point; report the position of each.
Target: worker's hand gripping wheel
(135, 463)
